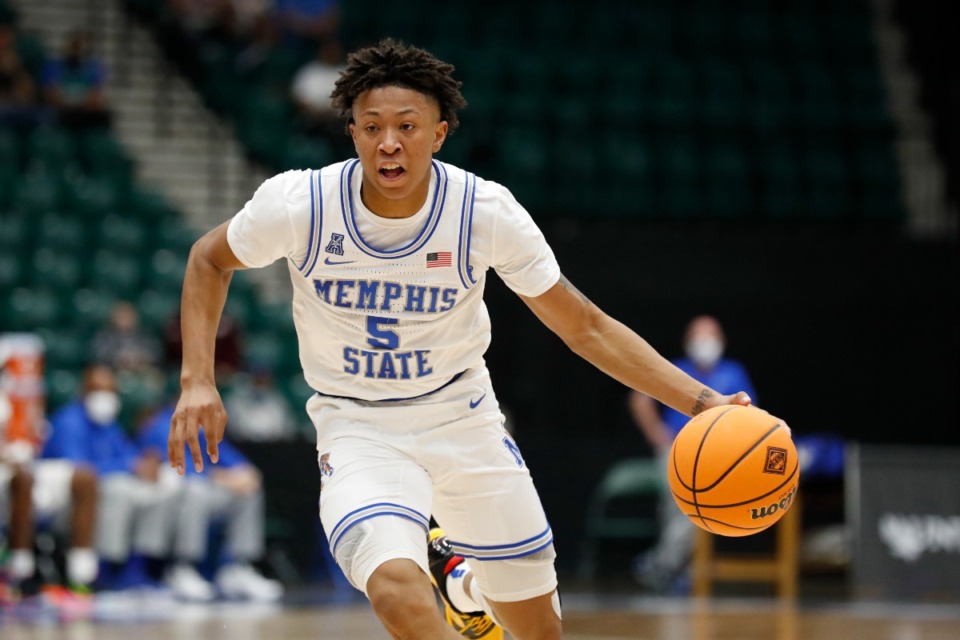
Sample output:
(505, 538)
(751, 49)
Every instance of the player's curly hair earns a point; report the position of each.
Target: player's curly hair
(393, 63)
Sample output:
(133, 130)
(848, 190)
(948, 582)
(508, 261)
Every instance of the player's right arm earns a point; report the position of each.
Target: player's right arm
(209, 269)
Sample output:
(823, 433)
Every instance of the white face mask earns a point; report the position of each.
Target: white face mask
(705, 352)
(102, 406)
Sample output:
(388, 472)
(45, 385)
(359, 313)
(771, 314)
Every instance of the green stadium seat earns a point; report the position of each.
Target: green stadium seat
(62, 231)
(96, 196)
(62, 385)
(122, 234)
(264, 349)
(32, 309)
(11, 271)
(307, 153)
(176, 237)
(523, 160)
(156, 307)
(139, 395)
(166, 270)
(116, 271)
(15, 234)
(52, 148)
(728, 189)
(56, 268)
(89, 308)
(722, 104)
(38, 191)
(149, 205)
(674, 100)
(102, 155)
(770, 106)
(10, 148)
(65, 348)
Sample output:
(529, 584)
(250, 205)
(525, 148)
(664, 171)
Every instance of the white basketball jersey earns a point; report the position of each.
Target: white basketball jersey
(379, 324)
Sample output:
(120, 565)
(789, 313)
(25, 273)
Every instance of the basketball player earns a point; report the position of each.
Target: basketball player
(388, 255)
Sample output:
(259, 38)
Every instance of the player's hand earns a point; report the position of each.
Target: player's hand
(742, 398)
(199, 407)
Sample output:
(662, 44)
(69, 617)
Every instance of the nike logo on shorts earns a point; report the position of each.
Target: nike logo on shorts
(329, 261)
(475, 403)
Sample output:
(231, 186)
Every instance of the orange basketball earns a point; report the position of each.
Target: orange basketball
(734, 470)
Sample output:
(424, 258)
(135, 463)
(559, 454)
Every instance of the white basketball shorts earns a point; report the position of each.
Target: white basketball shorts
(445, 454)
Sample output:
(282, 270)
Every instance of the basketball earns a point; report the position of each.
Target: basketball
(734, 470)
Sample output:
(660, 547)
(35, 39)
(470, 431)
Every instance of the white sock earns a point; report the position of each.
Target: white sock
(82, 566)
(459, 598)
(22, 564)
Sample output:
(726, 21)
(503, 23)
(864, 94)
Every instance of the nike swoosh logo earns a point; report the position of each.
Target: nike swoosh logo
(475, 403)
(329, 261)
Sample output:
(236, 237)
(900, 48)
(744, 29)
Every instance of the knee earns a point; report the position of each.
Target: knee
(402, 597)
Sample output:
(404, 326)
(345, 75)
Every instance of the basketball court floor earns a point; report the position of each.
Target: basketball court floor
(151, 616)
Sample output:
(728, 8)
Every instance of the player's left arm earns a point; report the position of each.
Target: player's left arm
(619, 352)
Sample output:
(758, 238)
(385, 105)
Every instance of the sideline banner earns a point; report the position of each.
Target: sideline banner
(904, 507)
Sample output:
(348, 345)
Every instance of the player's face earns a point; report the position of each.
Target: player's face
(396, 131)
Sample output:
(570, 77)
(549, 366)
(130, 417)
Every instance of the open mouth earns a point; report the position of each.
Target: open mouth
(391, 171)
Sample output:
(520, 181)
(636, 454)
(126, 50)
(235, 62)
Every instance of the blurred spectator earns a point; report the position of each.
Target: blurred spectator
(137, 492)
(52, 490)
(308, 22)
(18, 92)
(229, 349)
(74, 84)
(123, 345)
(257, 410)
(311, 90)
(230, 490)
(663, 567)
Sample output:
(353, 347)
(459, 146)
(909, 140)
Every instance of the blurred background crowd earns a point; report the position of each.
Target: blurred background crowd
(789, 168)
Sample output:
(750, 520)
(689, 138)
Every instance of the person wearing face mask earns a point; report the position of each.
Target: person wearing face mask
(136, 493)
(662, 568)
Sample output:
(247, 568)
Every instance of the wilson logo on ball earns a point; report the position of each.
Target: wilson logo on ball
(771, 509)
(776, 461)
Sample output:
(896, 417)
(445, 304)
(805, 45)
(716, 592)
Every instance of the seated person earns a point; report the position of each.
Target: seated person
(232, 491)
(73, 85)
(137, 493)
(53, 490)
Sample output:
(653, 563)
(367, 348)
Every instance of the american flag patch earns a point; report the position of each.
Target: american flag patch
(439, 259)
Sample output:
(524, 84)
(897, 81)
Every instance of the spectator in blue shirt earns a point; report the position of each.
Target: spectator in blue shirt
(232, 491)
(704, 344)
(74, 85)
(137, 492)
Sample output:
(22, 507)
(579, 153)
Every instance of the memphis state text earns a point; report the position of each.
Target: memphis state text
(385, 360)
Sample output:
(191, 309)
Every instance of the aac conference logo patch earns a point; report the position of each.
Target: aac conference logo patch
(776, 461)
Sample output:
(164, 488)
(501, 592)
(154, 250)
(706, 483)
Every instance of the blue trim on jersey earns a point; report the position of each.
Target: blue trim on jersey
(318, 214)
(370, 511)
(349, 215)
(313, 223)
(466, 230)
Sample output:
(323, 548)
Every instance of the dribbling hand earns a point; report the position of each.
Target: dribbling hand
(199, 407)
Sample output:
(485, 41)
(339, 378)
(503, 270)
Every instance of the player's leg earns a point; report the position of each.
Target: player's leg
(402, 597)
(20, 490)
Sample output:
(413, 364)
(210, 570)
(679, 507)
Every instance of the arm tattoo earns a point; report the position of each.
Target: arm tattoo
(572, 289)
(705, 395)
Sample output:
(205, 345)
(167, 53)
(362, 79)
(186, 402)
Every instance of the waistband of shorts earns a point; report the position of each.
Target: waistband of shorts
(422, 395)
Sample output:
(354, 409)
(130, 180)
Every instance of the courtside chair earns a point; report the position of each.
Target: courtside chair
(623, 507)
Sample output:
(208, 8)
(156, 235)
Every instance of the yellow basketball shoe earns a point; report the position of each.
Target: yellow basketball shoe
(474, 624)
